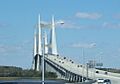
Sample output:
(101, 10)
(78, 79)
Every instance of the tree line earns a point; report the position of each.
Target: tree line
(12, 71)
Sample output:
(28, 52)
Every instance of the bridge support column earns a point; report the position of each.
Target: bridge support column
(80, 78)
(70, 79)
(77, 78)
(63, 75)
(74, 78)
(67, 75)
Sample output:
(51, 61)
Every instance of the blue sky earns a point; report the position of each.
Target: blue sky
(87, 22)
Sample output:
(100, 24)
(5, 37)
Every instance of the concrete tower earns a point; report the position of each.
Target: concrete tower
(34, 50)
(46, 43)
(53, 45)
(39, 37)
(37, 47)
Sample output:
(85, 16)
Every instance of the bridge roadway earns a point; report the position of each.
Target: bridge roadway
(69, 65)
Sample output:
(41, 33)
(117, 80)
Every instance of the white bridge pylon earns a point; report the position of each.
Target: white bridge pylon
(50, 46)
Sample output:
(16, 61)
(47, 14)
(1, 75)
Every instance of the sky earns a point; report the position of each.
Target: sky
(89, 25)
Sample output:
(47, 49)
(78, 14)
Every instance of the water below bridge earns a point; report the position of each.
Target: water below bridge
(33, 82)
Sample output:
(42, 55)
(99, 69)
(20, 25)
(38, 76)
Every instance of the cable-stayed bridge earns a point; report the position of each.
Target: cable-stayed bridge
(65, 68)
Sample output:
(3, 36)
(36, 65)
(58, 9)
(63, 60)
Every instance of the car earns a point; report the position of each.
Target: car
(97, 71)
(106, 73)
(107, 81)
(100, 81)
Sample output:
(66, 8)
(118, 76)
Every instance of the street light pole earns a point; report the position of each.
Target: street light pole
(83, 66)
(87, 73)
(43, 59)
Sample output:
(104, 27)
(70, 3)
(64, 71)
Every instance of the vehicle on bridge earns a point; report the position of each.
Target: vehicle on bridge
(107, 81)
(103, 81)
(100, 81)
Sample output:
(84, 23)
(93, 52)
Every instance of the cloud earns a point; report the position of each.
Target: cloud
(70, 26)
(2, 25)
(88, 15)
(116, 16)
(4, 49)
(79, 45)
(111, 25)
(70, 23)
(15, 49)
(118, 49)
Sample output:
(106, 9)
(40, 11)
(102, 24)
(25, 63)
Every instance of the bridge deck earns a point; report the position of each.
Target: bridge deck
(81, 70)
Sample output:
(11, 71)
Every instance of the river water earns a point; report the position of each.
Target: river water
(32, 82)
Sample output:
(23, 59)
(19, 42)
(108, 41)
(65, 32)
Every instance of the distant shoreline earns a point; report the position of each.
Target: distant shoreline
(20, 78)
